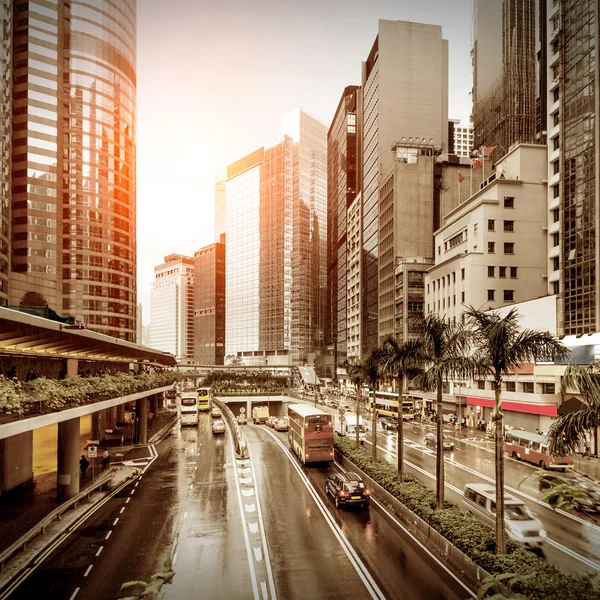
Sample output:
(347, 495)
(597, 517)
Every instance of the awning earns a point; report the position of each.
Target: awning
(549, 410)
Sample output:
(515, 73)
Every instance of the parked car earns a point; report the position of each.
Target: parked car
(218, 426)
(430, 439)
(348, 489)
(215, 413)
(281, 425)
(588, 501)
(520, 523)
(270, 421)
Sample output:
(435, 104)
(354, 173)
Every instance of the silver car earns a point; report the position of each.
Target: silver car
(430, 439)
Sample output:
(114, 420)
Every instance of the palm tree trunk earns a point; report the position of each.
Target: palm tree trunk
(439, 465)
(400, 430)
(374, 426)
(357, 416)
(497, 419)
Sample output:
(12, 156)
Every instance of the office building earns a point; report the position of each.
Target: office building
(73, 235)
(172, 307)
(573, 101)
(405, 108)
(219, 208)
(343, 183)
(276, 261)
(460, 138)
(6, 78)
(209, 304)
(354, 279)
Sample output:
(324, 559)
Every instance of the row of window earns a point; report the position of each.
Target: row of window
(502, 272)
(508, 225)
(509, 247)
(527, 387)
(509, 295)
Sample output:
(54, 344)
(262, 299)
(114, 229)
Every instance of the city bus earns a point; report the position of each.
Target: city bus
(310, 433)
(189, 408)
(533, 448)
(204, 398)
(386, 404)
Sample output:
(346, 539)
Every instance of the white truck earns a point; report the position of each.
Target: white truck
(347, 426)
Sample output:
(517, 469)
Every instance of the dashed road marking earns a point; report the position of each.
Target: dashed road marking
(253, 527)
(115, 521)
(257, 554)
(122, 509)
(248, 493)
(263, 589)
(74, 593)
(87, 571)
(108, 535)
(250, 508)
(127, 501)
(99, 550)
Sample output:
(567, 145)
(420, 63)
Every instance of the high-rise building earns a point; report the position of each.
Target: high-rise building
(354, 279)
(405, 105)
(573, 126)
(276, 261)
(219, 208)
(172, 307)
(139, 324)
(73, 238)
(209, 304)
(505, 74)
(460, 138)
(343, 183)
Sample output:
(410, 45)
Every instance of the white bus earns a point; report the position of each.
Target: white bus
(189, 408)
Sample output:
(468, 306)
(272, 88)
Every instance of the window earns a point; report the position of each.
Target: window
(555, 239)
(491, 295)
(556, 167)
(462, 274)
(555, 191)
(454, 299)
(491, 271)
(455, 241)
(556, 117)
(509, 248)
(513, 272)
(454, 277)
(462, 297)
(491, 224)
(509, 225)
(556, 143)
(501, 271)
(511, 386)
(556, 94)
(555, 263)
(509, 295)
(481, 384)
(509, 202)
(491, 247)
(439, 250)
(556, 215)
(527, 387)
(428, 288)
(548, 388)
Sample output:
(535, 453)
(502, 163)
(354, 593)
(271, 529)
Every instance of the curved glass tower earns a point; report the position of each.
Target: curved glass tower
(73, 221)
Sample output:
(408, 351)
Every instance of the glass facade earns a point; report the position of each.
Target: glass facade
(74, 204)
(579, 177)
(6, 76)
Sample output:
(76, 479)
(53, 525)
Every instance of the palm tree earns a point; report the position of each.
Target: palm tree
(569, 431)
(355, 372)
(500, 347)
(398, 360)
(443, 347)
(372, 370)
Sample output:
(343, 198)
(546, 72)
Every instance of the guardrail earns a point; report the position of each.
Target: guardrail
(241, 445)
(56, 514)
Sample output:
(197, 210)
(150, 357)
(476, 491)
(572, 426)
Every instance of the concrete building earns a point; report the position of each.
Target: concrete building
(460, 138)
(344, 164)
(220, 208)
(573, 126)
(490, 250)
(73, 217)
(172, 307)
(276, 263)
(353, 279)
(209, 304)
(405, 97)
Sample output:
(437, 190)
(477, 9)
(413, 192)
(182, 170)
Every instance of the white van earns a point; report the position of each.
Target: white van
(520, 523)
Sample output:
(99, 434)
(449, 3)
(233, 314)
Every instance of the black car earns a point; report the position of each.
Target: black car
(389, 424)
(588, 501)
(347, 489)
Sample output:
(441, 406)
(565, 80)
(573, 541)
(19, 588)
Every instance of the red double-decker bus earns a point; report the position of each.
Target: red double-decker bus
(310, 433)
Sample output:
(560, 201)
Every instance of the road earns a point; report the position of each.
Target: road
(261, 528)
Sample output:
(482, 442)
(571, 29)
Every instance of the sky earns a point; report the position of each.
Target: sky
(216, 77)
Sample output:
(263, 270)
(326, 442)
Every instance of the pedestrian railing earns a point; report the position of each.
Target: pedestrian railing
(241, 445)
(56, 514)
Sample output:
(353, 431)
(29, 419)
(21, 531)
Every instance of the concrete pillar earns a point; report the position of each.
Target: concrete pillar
(120, 413)
(72, 367)
(142, 415)
(68, 460)
(16, 461)
(154, 404)
(161, 400)
(98, 425)
(111, 417)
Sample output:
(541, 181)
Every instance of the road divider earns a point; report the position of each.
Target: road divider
(239, 439)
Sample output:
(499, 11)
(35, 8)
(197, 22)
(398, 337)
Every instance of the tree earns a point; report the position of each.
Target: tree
(399, 359)
(569, 431)
(371, 368)
(356, 375)
(443, 347)
(500, 347)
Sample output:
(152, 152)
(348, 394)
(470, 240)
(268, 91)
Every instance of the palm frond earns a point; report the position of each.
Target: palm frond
(567, 433)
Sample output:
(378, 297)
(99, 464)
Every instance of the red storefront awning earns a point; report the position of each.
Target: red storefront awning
(549, 410)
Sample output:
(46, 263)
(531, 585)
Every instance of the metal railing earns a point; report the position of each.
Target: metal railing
(241, 445)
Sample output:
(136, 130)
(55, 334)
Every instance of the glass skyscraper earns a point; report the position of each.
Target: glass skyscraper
(73, 168)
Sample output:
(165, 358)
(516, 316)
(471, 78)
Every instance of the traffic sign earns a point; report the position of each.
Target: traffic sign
(93, 442)
(242, 410)
(92, 451)
(342, 418)
(342, 412)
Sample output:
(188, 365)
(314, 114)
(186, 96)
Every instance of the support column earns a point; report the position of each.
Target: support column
(142, 415)
(111, 417)
(98, 425)
(16, 461)
(72, 367)
(68, 460)
(120, 413)
(154, 404)
(161, 400)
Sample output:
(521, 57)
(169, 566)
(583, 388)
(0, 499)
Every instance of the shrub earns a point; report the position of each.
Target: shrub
(534, 577)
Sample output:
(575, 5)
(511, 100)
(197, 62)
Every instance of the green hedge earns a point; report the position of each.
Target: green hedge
(473, 537)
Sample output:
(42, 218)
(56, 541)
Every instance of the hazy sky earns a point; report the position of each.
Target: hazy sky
(216, 77)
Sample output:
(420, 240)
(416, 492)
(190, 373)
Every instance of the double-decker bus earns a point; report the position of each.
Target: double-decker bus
(533, 448)
(310, 433)
(203, 395)
(189, 408)
(386, 404)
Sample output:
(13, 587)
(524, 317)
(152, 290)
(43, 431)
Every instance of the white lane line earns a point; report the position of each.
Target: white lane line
(246, 480)
(248, 493)
(87, 571)
(99, 550)
(355, 561)
(250, 508)
(257, 554)
(263, 589)
(115, 521)
(132, 492)
(253, 527)
(127, 501)
(108, 535)
(122, 509)
(137, 483)
(74, 593)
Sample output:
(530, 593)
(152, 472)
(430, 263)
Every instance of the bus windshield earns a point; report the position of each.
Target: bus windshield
(188, 401)
(318, 422)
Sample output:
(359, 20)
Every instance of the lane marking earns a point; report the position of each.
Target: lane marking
(253, 527)
(115, 521)
(122, 509)
(74, 593)
(257, 554)
(250, 508)
(246, 480)
(87, 571)
(127, 501)
(108, 535)
(132, 492)
(99, 550)
(355, 561)
(248, 493)
(263, 589)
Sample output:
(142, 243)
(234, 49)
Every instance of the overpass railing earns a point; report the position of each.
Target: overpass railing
(241, 444)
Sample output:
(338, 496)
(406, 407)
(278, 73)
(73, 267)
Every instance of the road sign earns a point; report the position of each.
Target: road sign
(242, 410)
(92, 451)
(93, 442)
(342, 418)
(342, 412)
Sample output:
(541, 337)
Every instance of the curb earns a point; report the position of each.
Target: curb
(161, 433)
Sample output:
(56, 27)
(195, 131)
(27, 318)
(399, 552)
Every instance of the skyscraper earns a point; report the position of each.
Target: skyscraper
(405, 101)
(276, 265)
(219, 208)
(343, 183)
(73, 232)
(172, 307)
